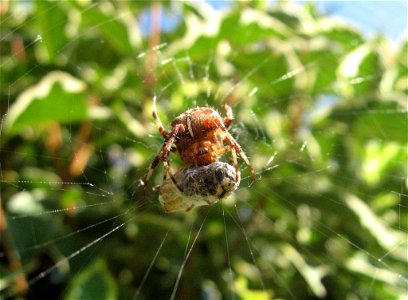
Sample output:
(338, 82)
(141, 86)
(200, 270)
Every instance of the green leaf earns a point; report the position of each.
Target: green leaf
(245, 292)
(95, 282)
(342, 34)
(379, 159)
(291, 20)
(384, 121)
(317, 61)
(115, 29)
(58, 97)
(249, 26)
(272, 75)
(51, 20)
(359, 72)
(378, 120)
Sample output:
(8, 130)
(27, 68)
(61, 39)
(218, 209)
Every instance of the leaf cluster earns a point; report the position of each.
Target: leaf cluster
(319, 109)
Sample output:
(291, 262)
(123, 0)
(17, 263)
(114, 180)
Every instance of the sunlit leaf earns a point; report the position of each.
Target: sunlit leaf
(255, 25)
(359, 72)
(343, 34)
(58, 97)
(383, 121)
(52, 21)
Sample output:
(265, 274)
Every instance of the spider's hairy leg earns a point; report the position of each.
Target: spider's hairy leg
(157, 120)
(167, 171)
(234, 145)
(229, 116)
(164, 151)
(235, 162)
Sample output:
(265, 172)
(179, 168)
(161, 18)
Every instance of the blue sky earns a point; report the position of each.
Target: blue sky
(388, 17)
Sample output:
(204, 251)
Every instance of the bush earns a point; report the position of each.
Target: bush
(319, 109)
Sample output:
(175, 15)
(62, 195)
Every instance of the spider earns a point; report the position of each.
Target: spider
(204, 185)
(198, 135)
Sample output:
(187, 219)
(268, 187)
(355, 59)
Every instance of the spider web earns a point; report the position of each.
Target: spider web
(63, 231)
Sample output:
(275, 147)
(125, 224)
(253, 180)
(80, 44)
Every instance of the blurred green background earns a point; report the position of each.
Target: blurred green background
(320, 110)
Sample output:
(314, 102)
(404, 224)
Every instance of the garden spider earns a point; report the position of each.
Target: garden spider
(198, 135)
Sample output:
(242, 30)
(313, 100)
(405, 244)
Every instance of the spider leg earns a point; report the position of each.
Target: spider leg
(236, 149)
(167, 171)
(229, 116)
(157, 120)
(235, 162)
(164, 152)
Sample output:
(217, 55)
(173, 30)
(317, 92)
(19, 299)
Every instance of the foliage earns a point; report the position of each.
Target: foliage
(319, 109)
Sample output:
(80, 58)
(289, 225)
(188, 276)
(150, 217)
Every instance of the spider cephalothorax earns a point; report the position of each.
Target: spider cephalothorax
(200, 136)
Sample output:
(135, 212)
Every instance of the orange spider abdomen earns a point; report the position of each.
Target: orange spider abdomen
(202, 151)
(201, 142)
